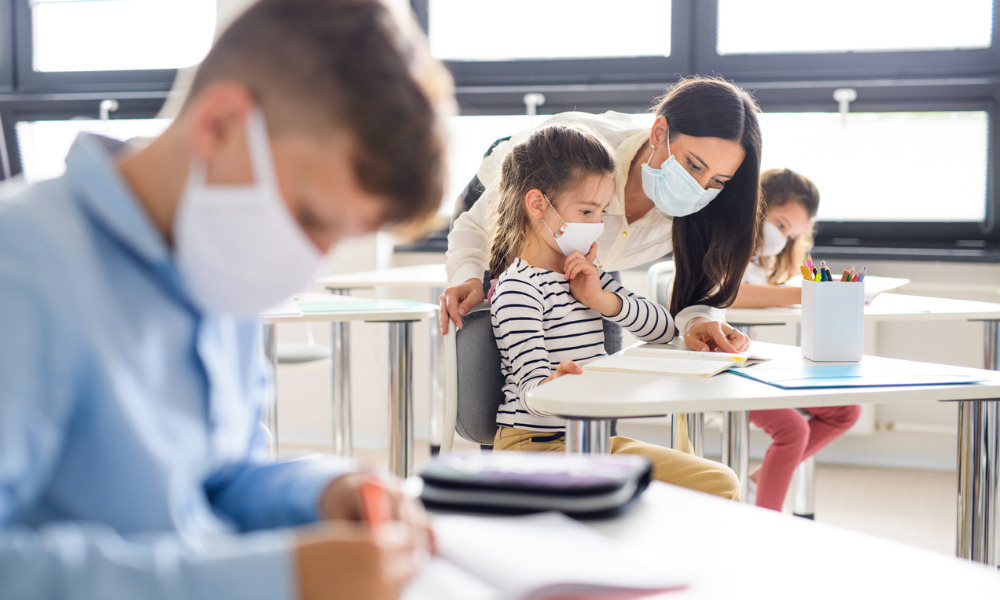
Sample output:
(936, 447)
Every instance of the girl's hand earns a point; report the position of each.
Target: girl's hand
(714, 336)
(585, 283)
(566, 367)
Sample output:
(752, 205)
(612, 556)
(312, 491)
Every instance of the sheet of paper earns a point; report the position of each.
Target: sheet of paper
(287, 308)
(546, 555)
(659, 365)
(442, 579)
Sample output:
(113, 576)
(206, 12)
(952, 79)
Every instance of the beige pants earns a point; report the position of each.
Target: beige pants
(671, 466)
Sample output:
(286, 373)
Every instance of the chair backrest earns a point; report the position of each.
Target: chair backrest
(473, 380)
(660, 278)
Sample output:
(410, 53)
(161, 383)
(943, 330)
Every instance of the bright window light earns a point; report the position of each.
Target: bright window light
(803, 26)
(901, 166)
(115, 35)
(44, 144)
(484, 30)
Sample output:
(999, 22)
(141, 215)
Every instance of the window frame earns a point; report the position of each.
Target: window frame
(31, 81)
(895, 239)
(6, 46)
(48, 107)
(575, 71)
(885, 82)
(826, 65)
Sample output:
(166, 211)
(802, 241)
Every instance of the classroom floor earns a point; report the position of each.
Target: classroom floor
(913, 506)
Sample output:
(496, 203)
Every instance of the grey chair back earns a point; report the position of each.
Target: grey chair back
(480, 381)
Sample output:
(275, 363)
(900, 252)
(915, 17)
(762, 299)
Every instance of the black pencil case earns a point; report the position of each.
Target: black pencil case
(580, 485)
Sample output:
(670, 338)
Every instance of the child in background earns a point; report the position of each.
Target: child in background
(550, 299)
(791, 202)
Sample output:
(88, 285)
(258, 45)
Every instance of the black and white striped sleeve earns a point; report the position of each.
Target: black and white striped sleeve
(643, 318)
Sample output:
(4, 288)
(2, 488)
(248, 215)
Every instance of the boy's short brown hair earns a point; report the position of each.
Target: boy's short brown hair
(349, 66)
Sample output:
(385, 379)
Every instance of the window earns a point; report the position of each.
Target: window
(556, 41)
(779, 39)
(109, 44)
(468, 140)
(913, 167)
(793, 26)
(43, 145)
(477, 30)
(81, 35)
(911, 164)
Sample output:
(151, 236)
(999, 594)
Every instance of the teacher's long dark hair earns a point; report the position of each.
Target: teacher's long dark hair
(713, 246)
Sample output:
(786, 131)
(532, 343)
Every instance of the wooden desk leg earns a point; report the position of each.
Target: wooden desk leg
(340, 400)
(436, 377)
(736, 446)
(401, 397)
(270, 343)
(588, 435)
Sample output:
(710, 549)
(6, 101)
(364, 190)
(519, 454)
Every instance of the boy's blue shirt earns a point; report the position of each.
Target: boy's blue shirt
(132, 461)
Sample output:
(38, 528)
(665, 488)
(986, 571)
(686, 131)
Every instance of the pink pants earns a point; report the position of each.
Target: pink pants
(795, 439)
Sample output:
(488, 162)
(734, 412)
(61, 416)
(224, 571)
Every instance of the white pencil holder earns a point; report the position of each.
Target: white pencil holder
(833, 320)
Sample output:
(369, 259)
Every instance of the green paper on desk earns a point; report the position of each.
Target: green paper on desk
(858, 375)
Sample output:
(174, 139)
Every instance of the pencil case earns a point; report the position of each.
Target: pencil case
(580, 485)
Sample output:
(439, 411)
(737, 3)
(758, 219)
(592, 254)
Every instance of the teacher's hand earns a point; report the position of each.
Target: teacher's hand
(714, 336)
(457, 301)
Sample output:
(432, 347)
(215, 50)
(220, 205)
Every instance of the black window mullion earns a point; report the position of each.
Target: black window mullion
(6, 45)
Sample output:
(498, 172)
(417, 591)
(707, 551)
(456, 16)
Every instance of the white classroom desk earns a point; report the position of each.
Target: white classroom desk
(732, 550)
(903, 308)
(400, 316)
(431, 278)
(590, 402)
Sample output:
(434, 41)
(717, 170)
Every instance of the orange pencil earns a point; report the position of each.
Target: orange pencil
(374, 505)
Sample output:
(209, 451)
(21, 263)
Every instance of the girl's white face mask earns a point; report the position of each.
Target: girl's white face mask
(673, 190)
(774, 241)
(574, 237)
(238, 248)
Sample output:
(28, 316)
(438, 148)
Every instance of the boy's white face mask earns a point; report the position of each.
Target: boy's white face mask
(238, 248)
(574, 237)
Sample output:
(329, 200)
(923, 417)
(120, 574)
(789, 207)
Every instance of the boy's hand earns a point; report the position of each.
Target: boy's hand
(585, 283)
(345, 561)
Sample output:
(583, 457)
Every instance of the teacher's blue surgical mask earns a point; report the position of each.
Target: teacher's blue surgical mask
(673, 190)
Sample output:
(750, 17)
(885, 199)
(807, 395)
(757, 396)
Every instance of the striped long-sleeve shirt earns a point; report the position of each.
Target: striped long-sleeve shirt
(538, 324)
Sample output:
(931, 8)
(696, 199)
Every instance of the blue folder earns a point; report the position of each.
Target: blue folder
(858, 375)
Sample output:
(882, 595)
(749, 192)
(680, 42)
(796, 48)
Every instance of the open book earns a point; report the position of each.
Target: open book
(533, 557)
(875, 285)
(667, 359)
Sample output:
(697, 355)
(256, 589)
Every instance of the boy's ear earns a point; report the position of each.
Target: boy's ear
(217, 120)
(535, 202)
